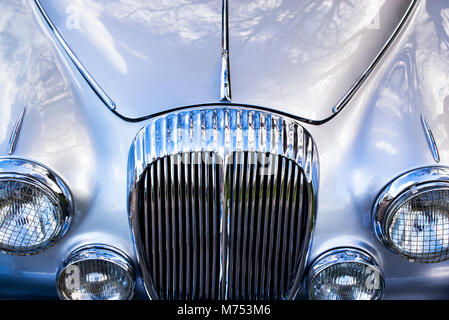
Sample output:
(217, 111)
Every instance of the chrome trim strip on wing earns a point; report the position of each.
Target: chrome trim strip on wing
(430, 139)
(15, 133)
(225, 87)
(94, 85)
(343, 102)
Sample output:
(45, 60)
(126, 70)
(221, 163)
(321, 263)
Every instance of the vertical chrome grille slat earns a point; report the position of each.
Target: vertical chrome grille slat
(161, 203)
(240, 212)
(234, 186)
(279, 220)
(194, 224)
(268, 192)
(246, 230)
(180, 216)
(255, 231)
(272, 227)
(291, 239)
(224, 230)
(299, 203)
(260, 224)
(168, 223)
(188, 234)
(215, 227)
(174, 223)
(146, 213)
(208, 233)
(283, 245)
(224, 209)
(201, 230)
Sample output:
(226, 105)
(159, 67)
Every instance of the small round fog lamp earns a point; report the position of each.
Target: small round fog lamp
(96, 273)
(345, 274)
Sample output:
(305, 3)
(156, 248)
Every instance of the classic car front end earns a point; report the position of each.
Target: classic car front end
(209, 149)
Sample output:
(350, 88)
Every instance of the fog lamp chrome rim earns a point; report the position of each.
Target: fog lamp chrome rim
(99, 253)
(43, 179)
(397, 193)
(341, 256)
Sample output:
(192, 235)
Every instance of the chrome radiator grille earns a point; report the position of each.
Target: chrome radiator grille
(229, 220)
(180, 226)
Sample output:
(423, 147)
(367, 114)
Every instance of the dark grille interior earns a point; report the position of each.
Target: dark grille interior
(214, 232)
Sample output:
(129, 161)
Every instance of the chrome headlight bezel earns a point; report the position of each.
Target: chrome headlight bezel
(344, 255)
(398, 192)
(38, 176)
(98, 252)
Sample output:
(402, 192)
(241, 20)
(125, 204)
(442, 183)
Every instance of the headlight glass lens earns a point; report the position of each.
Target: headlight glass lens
(345, 274)
(411, 215)
(30, 217)
(96, 274)
(418, 228)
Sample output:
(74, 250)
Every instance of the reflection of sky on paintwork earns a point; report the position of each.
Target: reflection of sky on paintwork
(305, 55)
(8, 91)
(190, 20)
(432, 59)
(31, 76)
(88, 14)
(321, 25)
(136, 50)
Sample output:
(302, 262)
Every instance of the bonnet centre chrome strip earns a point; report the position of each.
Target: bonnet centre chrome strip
(225, 87)
(93, 84)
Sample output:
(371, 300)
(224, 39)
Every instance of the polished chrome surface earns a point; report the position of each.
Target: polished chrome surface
(72, 56)
(398, 192)
(430, 139)
(377, 137)
(15, 133)
(35, 180)
(206, 186)
(98, 252)
(347, 256)
(225, 84)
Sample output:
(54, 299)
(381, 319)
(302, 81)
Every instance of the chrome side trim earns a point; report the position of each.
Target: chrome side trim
(430, 139)
(93, 84)
(99, 252)
(409, 183)
(225, 87)
(352, 91)
(223, 131)
(15, 133)
(33, 173)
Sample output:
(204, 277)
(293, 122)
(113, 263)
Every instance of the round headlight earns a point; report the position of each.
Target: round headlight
(345, 274)
(35, 207)
(96, 273)
(411, 216)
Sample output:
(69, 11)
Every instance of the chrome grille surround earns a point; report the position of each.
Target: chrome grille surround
(220, 148)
